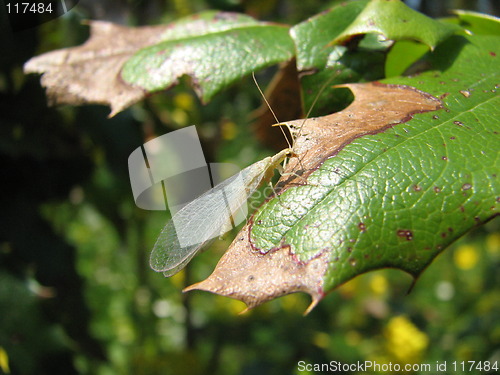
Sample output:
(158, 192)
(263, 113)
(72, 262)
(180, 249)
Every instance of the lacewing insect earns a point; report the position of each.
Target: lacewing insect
(209, 216)
(205, 218)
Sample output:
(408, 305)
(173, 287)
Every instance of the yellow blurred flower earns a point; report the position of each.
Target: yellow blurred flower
(229, 130)
(180, 117)
(405, 341)
(321, 340)
(184, 101)
(466, 257)
(179, 279)
(4, 361)
(378, 284)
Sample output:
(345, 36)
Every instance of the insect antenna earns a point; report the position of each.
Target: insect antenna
(290, 147)
(315, 101)
(296, 134)
(269, 106)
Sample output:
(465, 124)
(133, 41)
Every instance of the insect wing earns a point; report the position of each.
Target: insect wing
(208, 216)
(198, 222)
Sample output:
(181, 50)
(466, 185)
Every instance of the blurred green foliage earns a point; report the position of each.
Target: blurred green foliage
(76, 292)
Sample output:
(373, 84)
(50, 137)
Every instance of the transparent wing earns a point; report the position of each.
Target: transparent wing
(203, 219)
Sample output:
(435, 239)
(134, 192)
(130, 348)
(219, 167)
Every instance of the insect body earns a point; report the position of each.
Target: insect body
(209, 216)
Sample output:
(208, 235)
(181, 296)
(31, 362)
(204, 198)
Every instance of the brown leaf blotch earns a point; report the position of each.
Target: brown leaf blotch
(376, 108)
(255, 278)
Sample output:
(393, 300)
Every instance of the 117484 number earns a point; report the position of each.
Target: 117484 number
(23, 8)
(474, 366)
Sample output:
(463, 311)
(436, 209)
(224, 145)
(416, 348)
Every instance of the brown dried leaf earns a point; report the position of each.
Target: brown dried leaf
(376, 107)
(256, 275)
(252, 277)
(90, 73)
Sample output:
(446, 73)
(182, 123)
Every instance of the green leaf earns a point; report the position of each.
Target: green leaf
(394, 20)
(316, 55)
(318, 42)
(204, 23)
(400, 197)
(214, 56)
(476, 23)
(312, 37)
(406, 52)
(402, 55)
